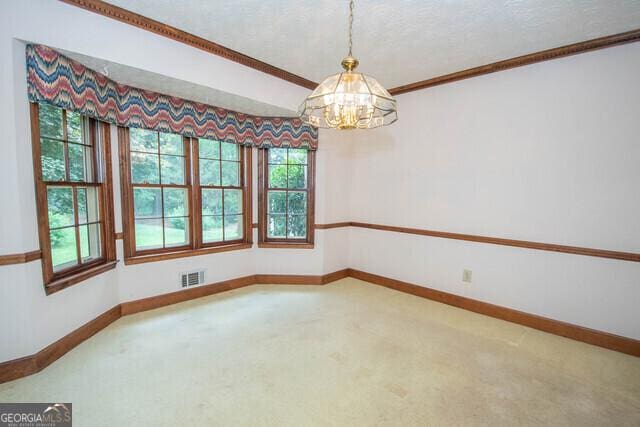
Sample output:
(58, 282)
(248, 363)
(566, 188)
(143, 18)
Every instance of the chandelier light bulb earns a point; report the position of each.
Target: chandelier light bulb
(349, 100)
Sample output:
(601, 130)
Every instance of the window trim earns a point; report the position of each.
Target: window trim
(263, 182)
(195, 246)
(129, 231)
(55, 281)
(246, 178)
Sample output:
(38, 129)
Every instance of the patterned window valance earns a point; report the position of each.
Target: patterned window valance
(61, 81)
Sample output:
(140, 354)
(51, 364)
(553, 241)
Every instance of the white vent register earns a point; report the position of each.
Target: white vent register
(191, 278)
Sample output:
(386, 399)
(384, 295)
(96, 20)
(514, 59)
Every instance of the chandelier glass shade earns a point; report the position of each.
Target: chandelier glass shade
(349, 100)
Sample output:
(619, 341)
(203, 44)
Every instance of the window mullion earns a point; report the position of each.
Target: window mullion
(159, 160)
(223, 230)
(164, 243)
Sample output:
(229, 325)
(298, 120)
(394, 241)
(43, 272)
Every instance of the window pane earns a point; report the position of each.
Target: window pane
(277, 202)
(147, 202)
(93, 204)
(209, 172)
(172, 169)
(297, 176)
(170, 143)
(209, 148)
(79, 163)
(232, 227)
(231, 174)
(211, 202)
(277, 176)
(50, 121)
(63, 248)
(176, 231)
(176, 202)
(297, 226)
(297, 156)
(81, 195)
(52, 157)
(276, 226)
(230, 151)
(211, 229)
(297, 202)
(277, 155)
(74, 127)
(60, 206)
(143, 140)
(232, 202)
(148, 233)
(90, 242)
(144, 168)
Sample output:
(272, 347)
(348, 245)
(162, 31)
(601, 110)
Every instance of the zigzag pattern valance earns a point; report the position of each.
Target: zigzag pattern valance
(61, 81)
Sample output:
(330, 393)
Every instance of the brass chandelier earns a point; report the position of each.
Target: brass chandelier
(349, 100)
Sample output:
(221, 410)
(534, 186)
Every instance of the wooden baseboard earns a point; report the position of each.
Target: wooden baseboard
(294, 279)
(136, 306)
(22, 367)
(18, 368)
(556, 327)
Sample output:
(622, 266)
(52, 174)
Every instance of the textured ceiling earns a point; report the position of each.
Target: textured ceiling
(167, 85)
(397, 41)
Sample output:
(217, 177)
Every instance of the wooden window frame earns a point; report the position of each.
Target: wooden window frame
(246, 168)
(192, 180)
(98, 131)
(263, 188)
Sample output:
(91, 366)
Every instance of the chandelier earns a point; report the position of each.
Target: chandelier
(349, 100)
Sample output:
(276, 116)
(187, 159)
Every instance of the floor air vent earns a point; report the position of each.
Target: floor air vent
(192, 278)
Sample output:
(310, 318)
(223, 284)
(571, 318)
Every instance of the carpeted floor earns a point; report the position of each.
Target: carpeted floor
(348, 353)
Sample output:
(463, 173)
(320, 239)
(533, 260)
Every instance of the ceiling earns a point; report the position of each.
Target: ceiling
(142, 79)
(398, 42)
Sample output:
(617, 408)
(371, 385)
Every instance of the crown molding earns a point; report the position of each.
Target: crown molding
(110, 11)
(105, 9)
(532, 58)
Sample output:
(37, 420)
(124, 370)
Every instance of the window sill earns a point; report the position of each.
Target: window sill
(65, 282)
(286, 245)
(141, 259)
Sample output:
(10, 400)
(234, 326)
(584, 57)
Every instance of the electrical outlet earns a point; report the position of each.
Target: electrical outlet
(466, 276)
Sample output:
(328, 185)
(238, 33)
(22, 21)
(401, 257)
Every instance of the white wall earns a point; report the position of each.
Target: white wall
(548, 153)
(31, 320)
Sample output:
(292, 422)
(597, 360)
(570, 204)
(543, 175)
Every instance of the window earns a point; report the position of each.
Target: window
(221, 192)
(73, 191)
(182, 196)
(286, 197)
(161, 199)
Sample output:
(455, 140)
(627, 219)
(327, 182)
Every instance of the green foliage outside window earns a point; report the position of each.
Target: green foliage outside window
(161, 213)
(60, 147)
(287, 195)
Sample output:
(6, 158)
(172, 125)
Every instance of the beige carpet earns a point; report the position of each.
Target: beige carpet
(344, 354)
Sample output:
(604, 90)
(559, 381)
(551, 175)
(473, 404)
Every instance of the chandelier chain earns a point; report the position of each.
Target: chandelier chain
(349, 99)
(350, 26)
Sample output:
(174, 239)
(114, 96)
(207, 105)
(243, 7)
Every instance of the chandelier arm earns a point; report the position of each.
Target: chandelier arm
(350, 108)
